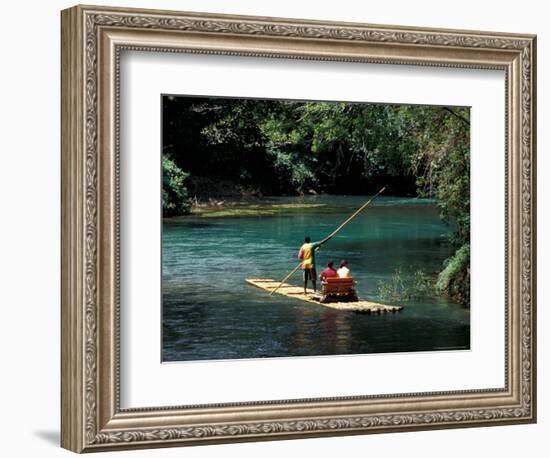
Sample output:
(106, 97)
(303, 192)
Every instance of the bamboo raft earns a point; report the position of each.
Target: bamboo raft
(297, 292)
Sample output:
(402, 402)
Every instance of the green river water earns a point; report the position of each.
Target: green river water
(209, 312)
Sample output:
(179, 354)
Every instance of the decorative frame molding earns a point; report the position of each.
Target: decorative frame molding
(92, 38)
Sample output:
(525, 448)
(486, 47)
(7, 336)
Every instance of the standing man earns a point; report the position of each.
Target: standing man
(307, 256)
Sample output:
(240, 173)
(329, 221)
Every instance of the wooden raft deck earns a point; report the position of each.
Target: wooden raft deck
(297, 292)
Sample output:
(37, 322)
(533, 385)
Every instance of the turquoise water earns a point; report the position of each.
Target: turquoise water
(209, 312)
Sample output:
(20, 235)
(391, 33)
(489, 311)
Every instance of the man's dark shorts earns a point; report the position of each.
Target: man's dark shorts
(310, 273)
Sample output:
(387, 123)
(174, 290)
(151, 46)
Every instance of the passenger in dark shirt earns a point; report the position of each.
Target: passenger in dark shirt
(329, 272)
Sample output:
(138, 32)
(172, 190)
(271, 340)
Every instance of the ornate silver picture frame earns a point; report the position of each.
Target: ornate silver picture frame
(92, 39)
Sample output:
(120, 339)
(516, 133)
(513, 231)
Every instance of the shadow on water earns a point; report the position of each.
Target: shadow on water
(209, 312)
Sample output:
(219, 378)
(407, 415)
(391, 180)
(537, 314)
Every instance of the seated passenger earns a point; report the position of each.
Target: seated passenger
(343, 271)
(329, 272)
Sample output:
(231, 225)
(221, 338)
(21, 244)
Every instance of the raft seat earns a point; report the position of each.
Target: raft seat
(338, 289)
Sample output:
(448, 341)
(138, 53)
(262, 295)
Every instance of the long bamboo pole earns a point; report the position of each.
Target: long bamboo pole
(332, 234)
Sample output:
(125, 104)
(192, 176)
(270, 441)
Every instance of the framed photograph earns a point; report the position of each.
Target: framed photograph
(278, 228)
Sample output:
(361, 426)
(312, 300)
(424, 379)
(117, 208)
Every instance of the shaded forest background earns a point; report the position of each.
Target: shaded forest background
(226, 148)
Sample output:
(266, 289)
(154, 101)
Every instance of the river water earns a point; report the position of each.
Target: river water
(209, 312)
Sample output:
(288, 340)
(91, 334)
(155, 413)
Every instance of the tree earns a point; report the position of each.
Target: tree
(442, 167)
(174, 193)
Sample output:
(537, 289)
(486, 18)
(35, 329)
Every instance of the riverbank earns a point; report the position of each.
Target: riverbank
(235, 209)
(246, 206)
(275, 205)
(209, 196)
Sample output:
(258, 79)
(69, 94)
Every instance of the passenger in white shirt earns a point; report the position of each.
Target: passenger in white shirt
(343, 271)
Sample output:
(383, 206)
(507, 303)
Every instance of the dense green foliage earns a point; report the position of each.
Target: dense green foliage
(232, 147)
(286, 147)
(456, 275)
(442, 167)
(174, 192)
